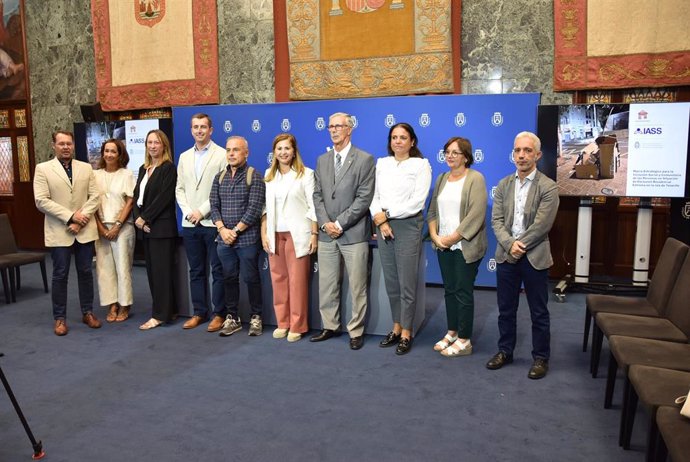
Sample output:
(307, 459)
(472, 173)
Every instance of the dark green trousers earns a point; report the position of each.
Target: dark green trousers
(458, 283)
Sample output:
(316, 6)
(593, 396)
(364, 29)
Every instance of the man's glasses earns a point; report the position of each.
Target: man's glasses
(337, 127)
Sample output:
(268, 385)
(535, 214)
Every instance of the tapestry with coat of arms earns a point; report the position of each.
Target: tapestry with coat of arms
(598, 45)
(155, 53)
(365, 48)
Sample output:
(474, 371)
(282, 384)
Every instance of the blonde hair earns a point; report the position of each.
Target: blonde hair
(297, 165)
(167, 154)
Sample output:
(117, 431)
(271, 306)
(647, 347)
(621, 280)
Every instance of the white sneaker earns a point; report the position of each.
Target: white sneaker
(280, 333)
(292, 337)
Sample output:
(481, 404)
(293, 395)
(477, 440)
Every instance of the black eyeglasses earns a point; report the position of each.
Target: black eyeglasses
(337, 127)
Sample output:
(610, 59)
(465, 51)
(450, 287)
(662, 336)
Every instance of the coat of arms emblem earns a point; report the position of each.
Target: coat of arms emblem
(149, 12)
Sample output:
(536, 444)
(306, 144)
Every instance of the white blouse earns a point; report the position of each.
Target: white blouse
(401, 187)
(449, 202)
(115, 188)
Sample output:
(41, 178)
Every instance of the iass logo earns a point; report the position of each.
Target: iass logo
(354, 122)
(493, 191)
(424, 120)
(478, 156)
(390, 120)
(269, 158)
(441, 156)
(320, 124)
(256, 126)
(491, 265)
(460, 120)
(227, 126)
(285, 125)
(497, 119)
(648, 131)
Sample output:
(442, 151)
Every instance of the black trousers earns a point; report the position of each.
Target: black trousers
(160, 268)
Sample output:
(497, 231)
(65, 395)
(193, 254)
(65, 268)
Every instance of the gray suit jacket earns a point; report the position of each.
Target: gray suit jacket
(540, 212)
(345, 199)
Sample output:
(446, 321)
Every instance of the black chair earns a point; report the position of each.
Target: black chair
(660, 287)
(16, 258)
(7, 283)
(673, 326)
(674, 433)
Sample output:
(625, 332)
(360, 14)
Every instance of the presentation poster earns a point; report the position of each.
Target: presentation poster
(657, 145)
(490, 122)
(136, 131)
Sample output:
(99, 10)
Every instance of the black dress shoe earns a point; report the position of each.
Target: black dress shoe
(539, 369)
(356, 342)
(499, 360)
(404, 346)
(324, 335)
(391, 339)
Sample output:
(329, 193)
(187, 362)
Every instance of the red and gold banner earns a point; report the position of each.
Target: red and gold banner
(155, 53)
(621, 44)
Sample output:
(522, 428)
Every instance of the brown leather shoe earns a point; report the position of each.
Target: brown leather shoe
(215, 324)
(90, 320)
(60, 327)
(193, 322)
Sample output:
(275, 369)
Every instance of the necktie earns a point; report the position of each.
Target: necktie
(338, 163)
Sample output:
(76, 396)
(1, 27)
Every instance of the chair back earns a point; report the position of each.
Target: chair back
(665, 273)
(7, 242)
(678, 309)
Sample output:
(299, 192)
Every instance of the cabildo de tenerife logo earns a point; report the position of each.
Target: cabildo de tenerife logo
(269, 158)
(491, 265)
(441, 156)
(497, 119)
(460, 119)
(493, 191)
(478, 156)
(320, 123)
(424, 120)
(511, 158)
(256, 126)
(227, 126)
(285, 125)
(355, 122)
(390, 120)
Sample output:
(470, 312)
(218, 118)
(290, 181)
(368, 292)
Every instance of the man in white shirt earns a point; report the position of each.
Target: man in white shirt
(195, 172)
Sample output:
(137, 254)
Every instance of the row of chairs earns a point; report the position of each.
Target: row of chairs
(649, 341)
(11, 260)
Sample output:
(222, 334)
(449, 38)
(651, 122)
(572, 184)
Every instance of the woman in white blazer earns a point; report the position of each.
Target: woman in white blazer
(289, 234)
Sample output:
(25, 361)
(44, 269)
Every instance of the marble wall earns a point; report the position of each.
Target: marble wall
(507, 46)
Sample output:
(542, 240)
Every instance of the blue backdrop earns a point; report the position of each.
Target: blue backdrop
(489, 121)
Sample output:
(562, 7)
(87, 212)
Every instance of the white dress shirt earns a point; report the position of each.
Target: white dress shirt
(401, 186)
(521, 191)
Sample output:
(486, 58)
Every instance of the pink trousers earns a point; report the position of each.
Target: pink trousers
(290, 278)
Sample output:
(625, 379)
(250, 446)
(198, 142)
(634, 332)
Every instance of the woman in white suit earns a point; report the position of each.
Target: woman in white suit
(289, 234)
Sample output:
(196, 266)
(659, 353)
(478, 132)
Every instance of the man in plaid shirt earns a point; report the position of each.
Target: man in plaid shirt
(236, 206)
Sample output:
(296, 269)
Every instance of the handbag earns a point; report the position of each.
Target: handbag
(685, 402)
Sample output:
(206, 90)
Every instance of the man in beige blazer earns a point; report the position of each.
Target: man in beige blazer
(524, 209)
(196, 170)
(65, 192)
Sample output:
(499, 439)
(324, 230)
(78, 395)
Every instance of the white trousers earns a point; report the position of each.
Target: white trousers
(114, 266)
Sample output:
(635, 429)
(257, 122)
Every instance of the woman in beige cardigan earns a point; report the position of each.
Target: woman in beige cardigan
(456, 218)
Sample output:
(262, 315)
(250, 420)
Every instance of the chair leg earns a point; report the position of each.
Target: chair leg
(13, 290)
(652, 437)
(629, 410)
(45, 276)
(588, 322)
(597, 342)
(660, 451)
(6, 286)
(610, 381)
(19, 277)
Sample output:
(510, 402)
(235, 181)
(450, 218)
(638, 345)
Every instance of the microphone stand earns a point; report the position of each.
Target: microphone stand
(38, 446)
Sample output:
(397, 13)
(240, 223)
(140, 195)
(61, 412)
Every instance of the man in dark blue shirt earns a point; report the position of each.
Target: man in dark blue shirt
(237, 200)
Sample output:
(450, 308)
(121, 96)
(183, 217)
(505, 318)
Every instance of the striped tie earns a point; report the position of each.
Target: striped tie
(338, 163)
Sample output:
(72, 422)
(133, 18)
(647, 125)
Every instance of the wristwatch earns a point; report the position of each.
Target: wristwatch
(237, 230)
(388, 214)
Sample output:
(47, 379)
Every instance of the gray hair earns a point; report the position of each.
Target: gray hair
(237, 137)
(535, 139)
(348, 118)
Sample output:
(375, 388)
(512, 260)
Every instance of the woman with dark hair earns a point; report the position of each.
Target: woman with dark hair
(289, 234)
(456, 218)
(115, 247)
(402, 186)
(155, 218)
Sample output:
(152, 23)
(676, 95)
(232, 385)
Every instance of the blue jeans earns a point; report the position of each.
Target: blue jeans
(244, 261)
(200, 246)
(509, 277)
(83, 258)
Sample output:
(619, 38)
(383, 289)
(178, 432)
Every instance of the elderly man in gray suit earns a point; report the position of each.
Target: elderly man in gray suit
(525, 206)
(342, 194)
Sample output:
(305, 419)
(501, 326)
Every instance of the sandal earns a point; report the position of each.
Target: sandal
(445, 342)
(458, 348)
(150, 324)
(112, 313)
(122, 314)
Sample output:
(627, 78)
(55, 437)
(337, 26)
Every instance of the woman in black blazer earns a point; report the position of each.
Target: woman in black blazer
(156, 221)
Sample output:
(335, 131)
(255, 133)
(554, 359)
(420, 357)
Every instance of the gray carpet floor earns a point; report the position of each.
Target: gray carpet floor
(118, 394)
